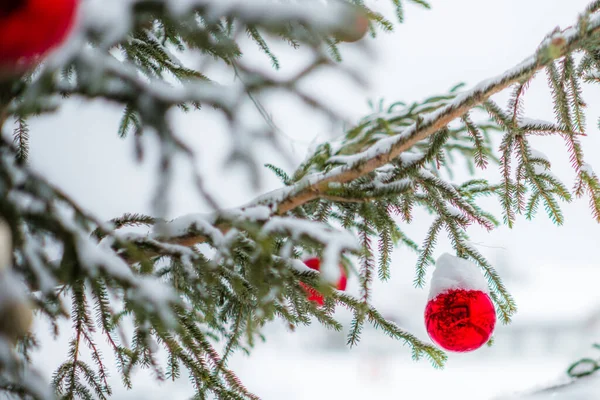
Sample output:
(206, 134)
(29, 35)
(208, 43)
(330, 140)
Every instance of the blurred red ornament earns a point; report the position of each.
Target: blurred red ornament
(460, 320)
(355, 30)
(313, 294)
(31, 28)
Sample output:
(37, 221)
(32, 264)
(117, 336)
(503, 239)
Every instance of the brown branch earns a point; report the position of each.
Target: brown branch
(73, 374)
(316, 186)
(341, 199)
(407, 139)
(101, 367)
(438, 119)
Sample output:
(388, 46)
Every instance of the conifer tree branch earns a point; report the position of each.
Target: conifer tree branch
(386, 150)
(181, 297)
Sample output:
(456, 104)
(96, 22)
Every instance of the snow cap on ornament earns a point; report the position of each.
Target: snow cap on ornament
(453, 272)
(460, 315)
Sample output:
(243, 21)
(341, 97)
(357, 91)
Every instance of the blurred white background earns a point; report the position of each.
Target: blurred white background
(552, 271)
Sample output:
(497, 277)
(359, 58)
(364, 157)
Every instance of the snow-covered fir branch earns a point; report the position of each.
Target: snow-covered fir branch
(389, 148)
(188, 284)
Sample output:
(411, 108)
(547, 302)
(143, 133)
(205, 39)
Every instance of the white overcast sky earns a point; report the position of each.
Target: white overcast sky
(458, 40)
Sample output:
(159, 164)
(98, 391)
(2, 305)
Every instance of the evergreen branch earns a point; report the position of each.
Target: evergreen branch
(367, 262)
(436, 356)
(281, 174)
(387, 230)
(425, 257)
(389, 148)
(562, 107)
(515, 103)
(385, 150)
(127, 220)
(99, 387)
(398, 163)
(593, 7)
(506, 304)
(574, 93)
(233, 341)
(592, 183)
(130, 119)
(532, 204)
(560, 97)
(71, 367)
(21, 139)
(422, 3)
(508, 186)
(478, 140)
(399, 10)
(255, 34)
(536, 178)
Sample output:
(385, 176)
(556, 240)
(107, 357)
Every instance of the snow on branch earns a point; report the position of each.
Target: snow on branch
(335, 241)
(125, 85)
(323, 16)
(328, 16)
(41, 203)
(387, 149)
(116, 18)
(404, 148)
(231, 223)
(134, 58)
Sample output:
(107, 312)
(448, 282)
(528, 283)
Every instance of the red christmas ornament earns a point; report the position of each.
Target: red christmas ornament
(31, 28)
(460, 320)
(355, 31)
(313, 294)
(460, 315)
